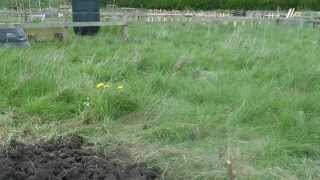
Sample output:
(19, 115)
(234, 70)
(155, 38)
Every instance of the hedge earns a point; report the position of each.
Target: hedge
(222, 4)
(199, 4)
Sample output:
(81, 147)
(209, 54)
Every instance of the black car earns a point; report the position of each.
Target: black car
(13, 37)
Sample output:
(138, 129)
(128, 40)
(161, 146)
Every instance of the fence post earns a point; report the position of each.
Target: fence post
(125, 29)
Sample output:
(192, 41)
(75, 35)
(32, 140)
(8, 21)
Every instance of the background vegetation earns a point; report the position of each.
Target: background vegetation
(222, 4)
(198, 4)
(33, 3)
(186, 97)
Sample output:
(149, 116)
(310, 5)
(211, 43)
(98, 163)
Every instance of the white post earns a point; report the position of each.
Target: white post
(289, 13)
(30, 6)
(39, 4)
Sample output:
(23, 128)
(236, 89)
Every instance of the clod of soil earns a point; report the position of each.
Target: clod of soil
(66, 159)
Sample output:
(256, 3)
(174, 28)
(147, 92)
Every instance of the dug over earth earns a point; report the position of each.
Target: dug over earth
(67, 159)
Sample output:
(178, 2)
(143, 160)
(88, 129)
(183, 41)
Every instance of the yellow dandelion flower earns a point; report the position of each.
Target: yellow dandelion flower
(105, 86)
(100, 85)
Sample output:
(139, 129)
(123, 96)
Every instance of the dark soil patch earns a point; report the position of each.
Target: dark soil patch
(67, 159)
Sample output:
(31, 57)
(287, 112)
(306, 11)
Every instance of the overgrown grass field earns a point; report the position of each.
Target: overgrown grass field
(185, 97)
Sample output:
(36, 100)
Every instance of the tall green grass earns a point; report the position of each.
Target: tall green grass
(193, 96)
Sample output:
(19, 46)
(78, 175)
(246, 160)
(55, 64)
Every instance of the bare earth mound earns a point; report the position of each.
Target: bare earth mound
(66, 159)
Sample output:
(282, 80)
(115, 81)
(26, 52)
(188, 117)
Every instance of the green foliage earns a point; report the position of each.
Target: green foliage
(191, 4)
(222, 4)
(32, 3)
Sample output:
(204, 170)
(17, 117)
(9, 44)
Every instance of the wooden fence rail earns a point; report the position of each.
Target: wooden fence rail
(156, 16)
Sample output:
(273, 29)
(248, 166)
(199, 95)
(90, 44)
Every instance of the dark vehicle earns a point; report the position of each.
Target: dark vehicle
(13, 37)
(86, 11)
(241, 13)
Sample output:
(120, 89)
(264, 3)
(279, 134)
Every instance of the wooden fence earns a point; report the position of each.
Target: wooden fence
(157, 16)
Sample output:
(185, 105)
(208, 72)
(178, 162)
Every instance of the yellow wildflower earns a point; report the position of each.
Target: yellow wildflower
(120, 87)
(100, 85)
(106, 86)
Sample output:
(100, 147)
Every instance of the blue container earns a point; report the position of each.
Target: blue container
(86, 11)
